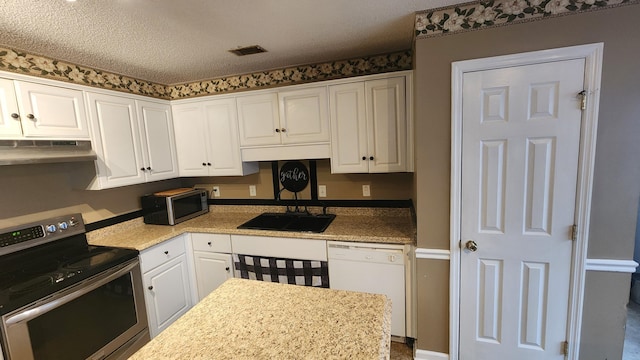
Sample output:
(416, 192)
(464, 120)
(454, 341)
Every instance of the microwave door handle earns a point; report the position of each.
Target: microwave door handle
(86, 286)
(170, 210)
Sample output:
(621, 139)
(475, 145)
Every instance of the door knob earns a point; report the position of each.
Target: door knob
(471, 245)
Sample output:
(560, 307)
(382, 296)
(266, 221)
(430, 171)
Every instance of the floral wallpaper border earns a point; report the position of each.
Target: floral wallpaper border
(483, 14)
(295, 75)
(28, 64)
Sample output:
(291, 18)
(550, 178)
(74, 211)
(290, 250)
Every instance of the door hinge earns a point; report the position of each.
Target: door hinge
(574, 232)
(583, 101)
(565, 348)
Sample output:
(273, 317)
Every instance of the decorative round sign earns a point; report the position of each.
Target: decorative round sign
(294, 176)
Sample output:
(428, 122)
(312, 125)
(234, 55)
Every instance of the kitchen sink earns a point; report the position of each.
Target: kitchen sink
(302, 222)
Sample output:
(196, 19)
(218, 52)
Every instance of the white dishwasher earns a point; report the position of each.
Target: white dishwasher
(371, 268)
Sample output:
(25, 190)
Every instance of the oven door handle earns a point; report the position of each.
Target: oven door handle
(73, 292)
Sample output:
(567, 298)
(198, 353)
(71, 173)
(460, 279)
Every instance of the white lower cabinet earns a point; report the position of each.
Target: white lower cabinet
(167, 285)
(212, 261)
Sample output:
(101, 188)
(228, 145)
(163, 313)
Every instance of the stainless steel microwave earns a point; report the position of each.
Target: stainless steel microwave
(167, 208)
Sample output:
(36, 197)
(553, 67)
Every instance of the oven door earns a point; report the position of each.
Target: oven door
(88, 320)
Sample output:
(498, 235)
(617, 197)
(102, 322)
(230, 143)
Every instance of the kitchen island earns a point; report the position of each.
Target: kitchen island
(246, 319)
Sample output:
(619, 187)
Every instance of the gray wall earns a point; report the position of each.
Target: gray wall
(617, 170)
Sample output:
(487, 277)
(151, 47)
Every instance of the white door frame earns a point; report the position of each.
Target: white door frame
(592, 53)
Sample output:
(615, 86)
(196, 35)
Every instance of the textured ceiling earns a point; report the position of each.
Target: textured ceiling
(176, 41)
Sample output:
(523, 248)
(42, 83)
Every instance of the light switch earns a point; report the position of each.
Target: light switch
(322, 190)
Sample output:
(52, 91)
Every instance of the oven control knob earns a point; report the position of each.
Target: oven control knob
(51, 228)
(63, 225)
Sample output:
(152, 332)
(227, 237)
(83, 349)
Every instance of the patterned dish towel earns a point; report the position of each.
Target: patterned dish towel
(287, 271)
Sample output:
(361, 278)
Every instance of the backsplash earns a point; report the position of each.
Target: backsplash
(483, 14)
(40, 66)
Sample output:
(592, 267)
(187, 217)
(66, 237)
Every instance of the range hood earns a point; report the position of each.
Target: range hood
(17, 152)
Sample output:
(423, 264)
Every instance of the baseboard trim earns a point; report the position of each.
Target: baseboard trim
(611, 265)
(434, 254)
(430, 355)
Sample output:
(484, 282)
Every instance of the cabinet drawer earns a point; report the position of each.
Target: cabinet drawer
(161, 253)
(211, 242)
(290, 248)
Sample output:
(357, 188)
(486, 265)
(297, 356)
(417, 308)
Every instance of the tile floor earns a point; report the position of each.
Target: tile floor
(632, 334)
(400, 351)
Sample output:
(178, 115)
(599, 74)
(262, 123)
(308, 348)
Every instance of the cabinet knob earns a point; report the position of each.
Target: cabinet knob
(277, 130)
(364, 158)
(166, 252)
(15, 116)
(283, 130)
(370, 157)
(142, 169)
(209, 243)
(227, 268)
(204, 164)
(30, 116)
(150, 287)
(149, 168)
(208, 164)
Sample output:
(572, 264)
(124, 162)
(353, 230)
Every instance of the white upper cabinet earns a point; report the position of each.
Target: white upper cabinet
(41, 111)
(116, 140)
(348, 128)
(158, 143)
(259, 119)
(370, 126)
(10, 126)
(134, 142)
(303, 116)
(292, 123)
(207, 139)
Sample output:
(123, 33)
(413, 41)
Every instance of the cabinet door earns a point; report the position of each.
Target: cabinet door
(259, 123)
(191, 139)
(158, 142)
(9, 114)
(387, 124)
(212, 269)
(167, 293)
(303, 115)
(349, 152)
(222, 130)
(116, 140)
(51, 111)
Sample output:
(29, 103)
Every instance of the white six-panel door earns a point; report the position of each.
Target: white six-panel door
(520, 146)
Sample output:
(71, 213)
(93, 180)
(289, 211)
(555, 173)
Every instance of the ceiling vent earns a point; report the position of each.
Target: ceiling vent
(248, 50)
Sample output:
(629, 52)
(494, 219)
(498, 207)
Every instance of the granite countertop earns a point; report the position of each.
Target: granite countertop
(374, 225)
(248, 319)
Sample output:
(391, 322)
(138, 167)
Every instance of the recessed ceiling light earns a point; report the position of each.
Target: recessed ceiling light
(248, 50)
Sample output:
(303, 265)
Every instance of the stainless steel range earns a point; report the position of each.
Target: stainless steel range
(61, 298)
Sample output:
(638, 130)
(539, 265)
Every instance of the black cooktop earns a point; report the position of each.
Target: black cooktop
(36, 272)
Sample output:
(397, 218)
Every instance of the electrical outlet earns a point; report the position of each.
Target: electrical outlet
(366, 190)
(216, 191)
(322, 190)
(252, 190)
